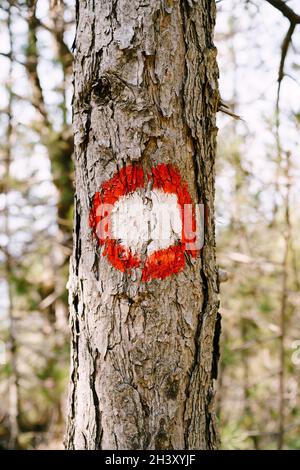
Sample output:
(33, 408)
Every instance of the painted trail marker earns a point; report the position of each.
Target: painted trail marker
(146, 221)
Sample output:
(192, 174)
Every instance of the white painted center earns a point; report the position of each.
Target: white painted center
(154, 222)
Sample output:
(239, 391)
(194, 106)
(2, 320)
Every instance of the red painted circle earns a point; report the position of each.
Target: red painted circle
(161, 263)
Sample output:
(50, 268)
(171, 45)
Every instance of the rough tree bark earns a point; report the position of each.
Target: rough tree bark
(144, 355)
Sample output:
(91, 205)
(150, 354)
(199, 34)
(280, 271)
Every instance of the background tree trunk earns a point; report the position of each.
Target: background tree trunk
(143, 354)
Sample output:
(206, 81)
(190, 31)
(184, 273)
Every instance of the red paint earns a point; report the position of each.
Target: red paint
(168, 178)
(120, 257)
(161, 263)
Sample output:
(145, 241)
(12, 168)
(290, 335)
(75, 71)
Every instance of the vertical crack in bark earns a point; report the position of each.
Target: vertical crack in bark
(70, 436)
(216, 347)
(99, 432)
(77, 239)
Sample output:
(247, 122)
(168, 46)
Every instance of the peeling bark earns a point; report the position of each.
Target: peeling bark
(143, 360)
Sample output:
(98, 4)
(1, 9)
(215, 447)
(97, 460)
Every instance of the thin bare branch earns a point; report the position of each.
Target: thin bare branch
(285, 10)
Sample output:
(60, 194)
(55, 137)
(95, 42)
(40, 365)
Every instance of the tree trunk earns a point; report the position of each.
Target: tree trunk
(144, 354)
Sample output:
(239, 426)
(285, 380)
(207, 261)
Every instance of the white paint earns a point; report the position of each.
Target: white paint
(153, 222)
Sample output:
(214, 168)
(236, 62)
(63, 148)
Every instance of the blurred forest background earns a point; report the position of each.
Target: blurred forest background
(257, 222)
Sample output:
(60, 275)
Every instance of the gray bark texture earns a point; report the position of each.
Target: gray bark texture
(143, 354)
